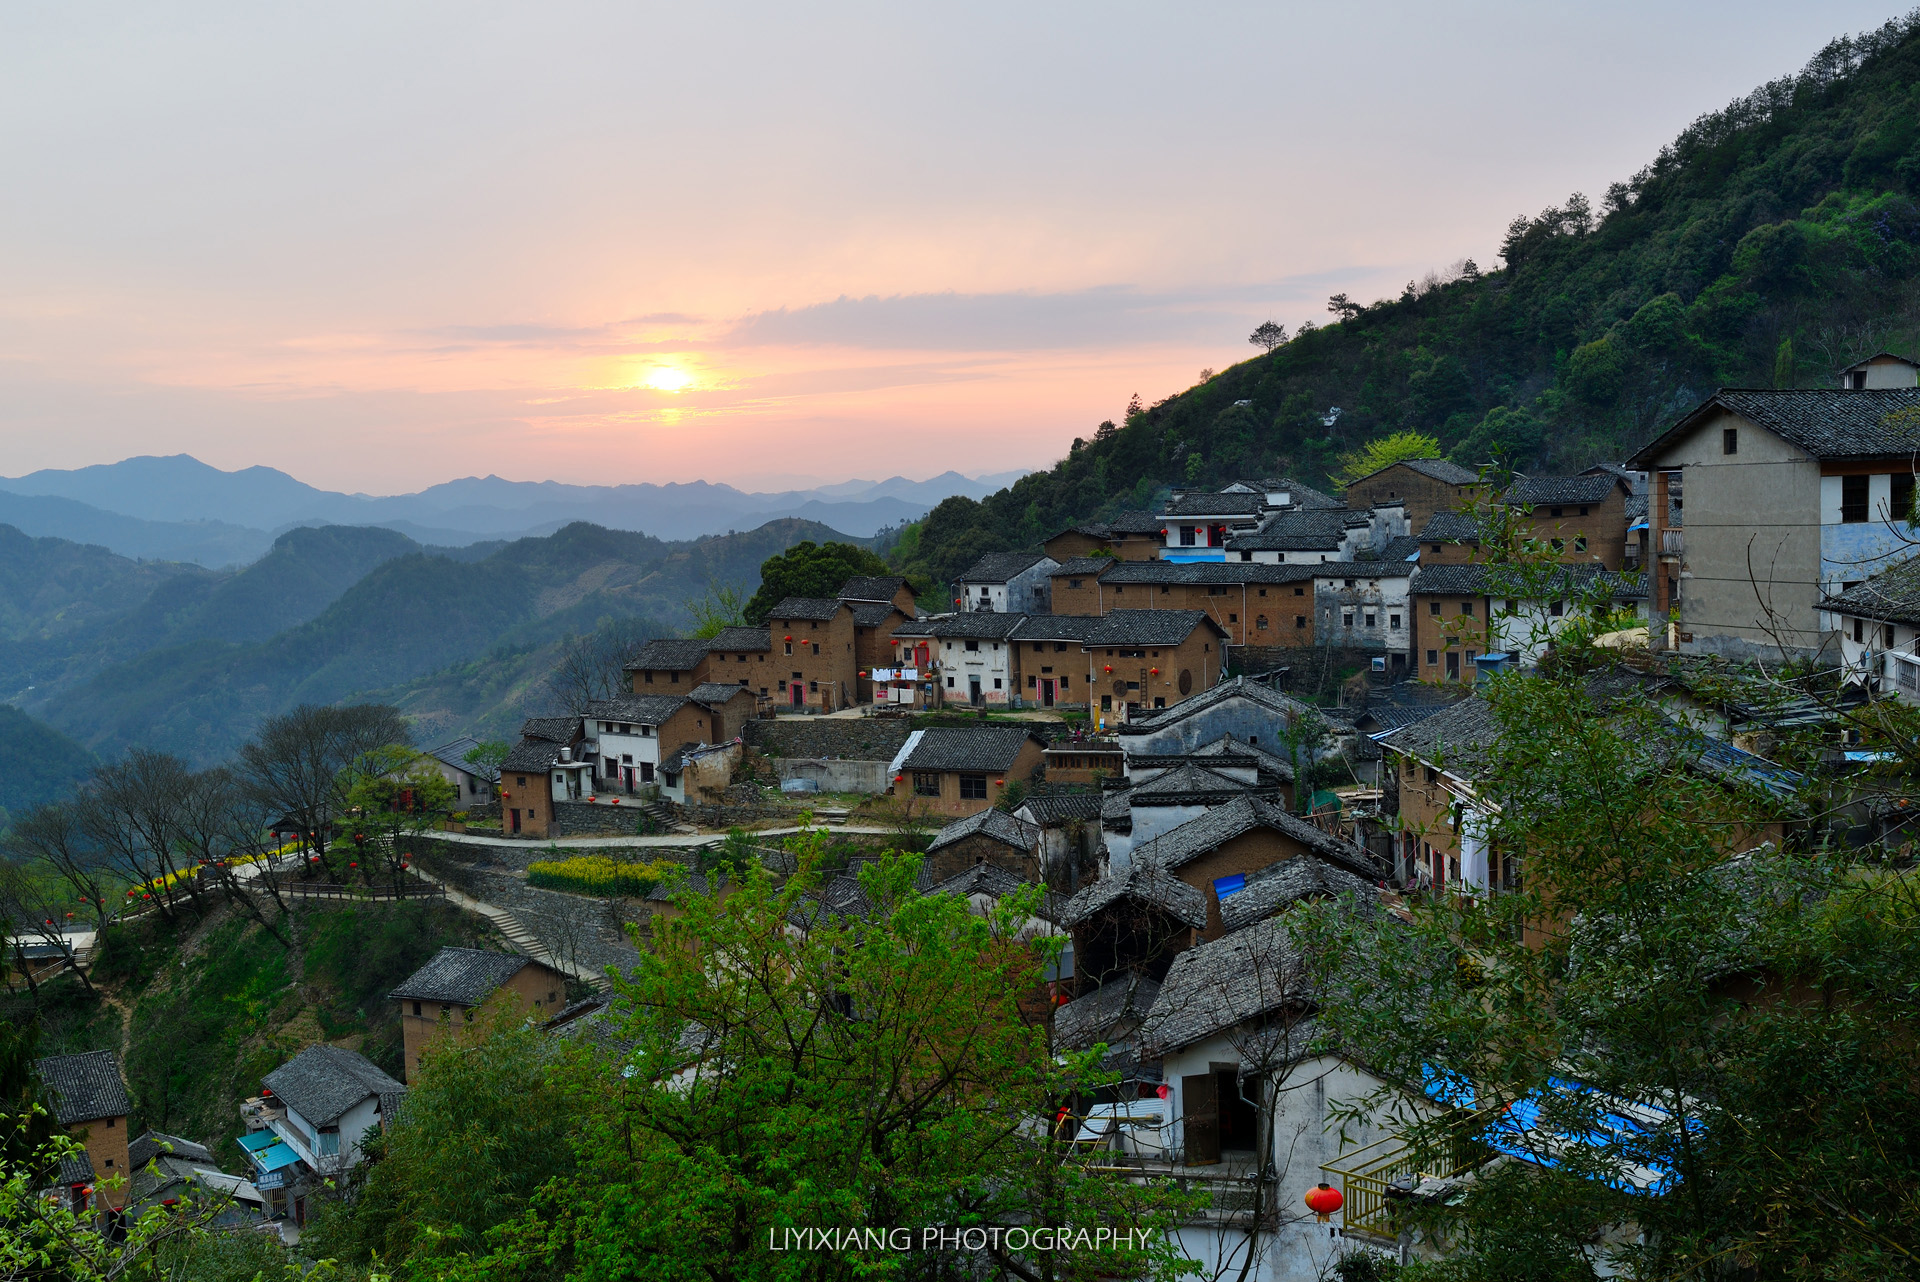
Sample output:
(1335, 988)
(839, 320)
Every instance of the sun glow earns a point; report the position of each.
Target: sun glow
(665, 378)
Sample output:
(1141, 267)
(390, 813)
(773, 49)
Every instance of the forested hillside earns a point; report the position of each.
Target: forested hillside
(1770, 244)
(37, 763)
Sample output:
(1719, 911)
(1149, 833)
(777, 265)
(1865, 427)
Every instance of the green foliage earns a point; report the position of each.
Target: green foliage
(1385, 452)
(37, 763)
(1791, 217)
(809, 570)
(721, 606)
(487, 755)
(1013, 796)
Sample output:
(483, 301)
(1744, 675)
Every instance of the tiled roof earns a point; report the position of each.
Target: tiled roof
(871, 614)
(1216, 505)
(1205, 572)
(712, 693)
(1310, 530)
(1826, 423)
(1179, 846)
(1450, 527)
(982, 625)
(1395, 716)
(1146, 882)
(1457, 737)
(997, 883)
(1497, 581)
(1237, 978)
(531, 755)
(1272, 889)
(669, 654)
(1107, 1014)
(1222, 753)
(1150, 627)
(1401, 547)
(1061, 807)
(987, 748)
(637, 709)
(1300, 495)
(1892, 595)
(917, 627)
(1440, 470)
(454, 754)
(676, 761)
(879, 587)
(154, 1144)
(322, 1082)
(818, 609)
(1135, 523)
(998, 567)
(1089, 566)
(742, 640)
(1187, 785)
(1537, 490)
(84, 1087)
(553, 729)
(1058, 627)
(467, 976)
(997, 824)
(1236, 687)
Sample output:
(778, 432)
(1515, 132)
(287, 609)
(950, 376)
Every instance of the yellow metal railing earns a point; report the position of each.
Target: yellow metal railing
(1366, 1175)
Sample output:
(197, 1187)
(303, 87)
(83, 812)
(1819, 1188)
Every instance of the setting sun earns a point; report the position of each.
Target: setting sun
(665, 378)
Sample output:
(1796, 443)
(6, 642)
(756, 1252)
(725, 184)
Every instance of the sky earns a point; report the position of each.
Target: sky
(383, 245)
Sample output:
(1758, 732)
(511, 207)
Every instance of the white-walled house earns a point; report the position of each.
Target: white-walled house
(1008, 583)
(977, 656)
(627, 730)
(1878, 624)
(310, 1120)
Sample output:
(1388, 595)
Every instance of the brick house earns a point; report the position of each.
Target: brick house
(668, 665)
(88, 1097)
(728, 709)
(987, 837)
(879, 604)
(457, 986)
(1049, 657)
(1581, 519)
(812, 658)
(979, 662)
(1141, 659)
(1463, 613)
(963, 770)
(1073, 586)
(1007, 583)
(1129, 536)
(548, 764)
(1253, 604)
(742, 656)
(1425, 485)
(890, 589)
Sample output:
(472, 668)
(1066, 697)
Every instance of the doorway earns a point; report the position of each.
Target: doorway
(798, 693)
(973, 691)
(1046, 693)
(516, 819)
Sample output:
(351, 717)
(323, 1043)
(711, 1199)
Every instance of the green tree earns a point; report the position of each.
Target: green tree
(722, 605)
(399, 795)
(1385, 452)
(809, 569)
(783, 1067)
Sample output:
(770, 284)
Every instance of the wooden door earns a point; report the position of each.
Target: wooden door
(1200, 1115)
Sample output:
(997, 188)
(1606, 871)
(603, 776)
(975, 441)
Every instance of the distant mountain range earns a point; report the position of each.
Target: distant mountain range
(177, 508)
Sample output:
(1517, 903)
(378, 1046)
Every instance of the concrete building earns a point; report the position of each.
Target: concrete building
(308, 1122)
(1765, 502)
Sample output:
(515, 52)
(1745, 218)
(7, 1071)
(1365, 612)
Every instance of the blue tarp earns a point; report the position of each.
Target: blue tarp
(254, 1141)
(274, 1158)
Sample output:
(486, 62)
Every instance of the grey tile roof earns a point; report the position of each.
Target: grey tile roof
(1187, 785)
(1826, 423)
(1538, 490)
(981, 625)
(466, 976)
(1233, 688)
(1300, 495)
(637, 709)
(1288, 882)
(997, 883)
(563, 730)
(987, 748)
(1439, 469)
(1457, 737)
(1216, 505)
(1224, 752)
(531, 756)
(714, 693)
(1310, 530)
(1401, 547)
(153, 1144)
(1075, 628)
(1892, 595)
(1237, 978)
(1150, 627)
(1135, 523)
(454, 752)
(322, 1082)
(1450, 527)
(676, 761)
(740, 640)
(1107, 1014)
(669, 654)
(998, 567)
(1487, 580)
(1088, 566)
(1146, 882)
(871, 614)
(76, 1169)
(1127, 572)
(997, 824)
(1180, 846)
(1061, 807)
(84, 1087)
(818, 609)
(878, 587)
(917, 627)
(1395, 716)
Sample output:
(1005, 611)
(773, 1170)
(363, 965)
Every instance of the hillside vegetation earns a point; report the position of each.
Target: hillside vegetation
(1770, 244)
(37, 763)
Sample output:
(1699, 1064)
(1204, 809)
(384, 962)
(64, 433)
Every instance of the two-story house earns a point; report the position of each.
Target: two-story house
(669, 665)
(308, 1122)
(1878, 623)
(1050, 659)
(1128, 536)
(879, 604)
(628, 732)
(1424, 485)
(472, 784)
(1007, 583)
(457, 986)
(1790, 496)
(963, 770)
(88, 1097)
(979, 662)
(1144, 659)
(551, 763)
(742, 656)
(1464, 616)
(911, 680)
(812, 654)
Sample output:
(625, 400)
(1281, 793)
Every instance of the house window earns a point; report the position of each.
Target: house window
(1073, 583)
(1729, 440)
(1433, 608)
(1453, 665)
(1901, 500)
(1556, 511)
(1393, 622)
(1260, 623)
(1433, 658)
(788, 647)
(1853, 499)
(1557, 609)
(1559, 546)
(1346, 618)
(816, 647)
(1886, 636)
(973, 646)
(949, 683)
(1033, 682)
(1186, 536)
(1299, 591)
(926, 783)
(416, 1008)
(1299, 621)
(649, 676)
(973, 787)
(1580, 543)
(1466, 609)
(996, 683)
(1372, 619)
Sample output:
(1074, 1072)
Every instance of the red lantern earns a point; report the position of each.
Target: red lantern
(788, 637)
(616, 801)
(353, 865)
(1109, 667)
(1323, 1200)
(999, 783)
(1154, 671)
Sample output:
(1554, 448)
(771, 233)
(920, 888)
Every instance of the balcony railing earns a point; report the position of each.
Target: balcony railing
(1373, 1177)
(1673, 543)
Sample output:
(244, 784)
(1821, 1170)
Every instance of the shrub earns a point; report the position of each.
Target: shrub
(600, 875)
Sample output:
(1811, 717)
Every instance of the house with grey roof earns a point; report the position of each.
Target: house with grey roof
(1253, 714)
(1135, 920)
(1468, 616)
(979, 662)
(460, 988)
(1878, 624)
(1764, 502)
(88, 1097)
(668, 665)
(1125, 535)
(880, 589)
(308, 1122)
(1007, 582)
(472, 784)
(962, 770)
(552, 763)
(1423, 486)
(990, 836)
(169, 1168)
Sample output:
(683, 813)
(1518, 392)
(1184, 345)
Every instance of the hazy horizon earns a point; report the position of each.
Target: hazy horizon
(379, 247)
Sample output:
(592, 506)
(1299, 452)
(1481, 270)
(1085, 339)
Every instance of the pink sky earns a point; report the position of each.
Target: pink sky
(380, 246)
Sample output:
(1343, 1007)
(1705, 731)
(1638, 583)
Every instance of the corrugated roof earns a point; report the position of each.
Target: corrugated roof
(84, 1087)
(1227, 572)
(1187, 784)
(466, 976)
(552, 729)
(987, 748)
(871, 614)
(322, 1082)
(1537, 490)
(1061, 807)
(1180, 846)
(1216, 504)
(714, 693)
(1075, 628)
(1274, 889)
(1457, 737)
(531, 755)
(1107, 1014)
(818, 609)
(1234, 688)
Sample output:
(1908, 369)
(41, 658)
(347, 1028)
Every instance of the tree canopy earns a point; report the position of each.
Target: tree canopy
(809, 569)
